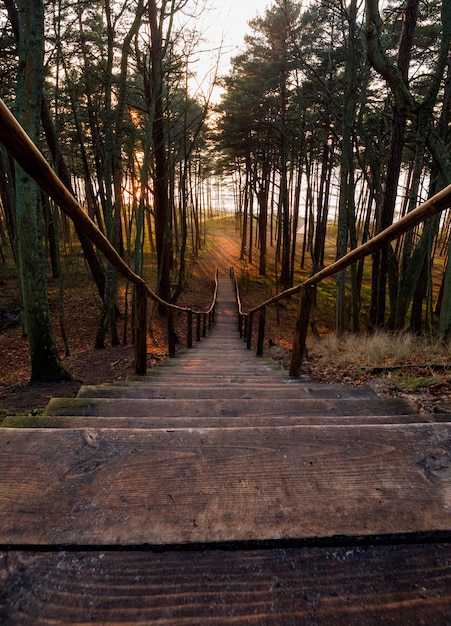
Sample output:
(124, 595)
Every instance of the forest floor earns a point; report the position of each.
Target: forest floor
(426, 385)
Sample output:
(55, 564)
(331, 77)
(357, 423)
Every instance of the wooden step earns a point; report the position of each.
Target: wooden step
(225, 382)
(236, 392)
(171, 423)
(216, 369)
(330, 508)
(221, 365)
(112, 407)
(203, 352)
(340, 585)
(194, 378)
(135, 487)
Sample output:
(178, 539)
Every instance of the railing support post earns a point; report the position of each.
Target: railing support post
(204, 324)
(198, 321)
(261, 331)
(190, 329)
(171, 333)
(300, 335)
(250, 319)
(141, 331)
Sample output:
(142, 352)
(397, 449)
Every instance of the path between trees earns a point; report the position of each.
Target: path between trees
(90, 366)
(222, 250)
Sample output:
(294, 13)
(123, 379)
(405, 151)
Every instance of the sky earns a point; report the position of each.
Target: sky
(231, 19)
(223, 25)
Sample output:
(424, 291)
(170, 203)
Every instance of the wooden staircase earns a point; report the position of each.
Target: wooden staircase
(216, 490)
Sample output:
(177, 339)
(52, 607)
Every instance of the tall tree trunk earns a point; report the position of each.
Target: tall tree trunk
(45, 364)
(285, 274)
(93, 261)
(323, 207)
(111, 217)
(263, 194)
(412, 263)
(7, 196)
(346, 210)
(297, 204)
(394, 159)
(161, 200)
(245, 207)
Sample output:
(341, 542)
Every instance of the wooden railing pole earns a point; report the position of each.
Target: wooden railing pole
(261, 331)
(141, 331)
(171, 333)
(190, 329)
(198, 322)
(250, 319)
(300, 335)
(204, 324)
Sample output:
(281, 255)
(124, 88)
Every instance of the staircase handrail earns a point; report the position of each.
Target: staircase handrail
(438, 203)
(33, 162)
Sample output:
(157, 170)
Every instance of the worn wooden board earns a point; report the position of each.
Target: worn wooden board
(406, 584)
(128, 487)
(215, 381)
(77, 421)
(239, 355)
(202, 379)
(215, 367)
(194, 376)
(135, 390)
(117, 407)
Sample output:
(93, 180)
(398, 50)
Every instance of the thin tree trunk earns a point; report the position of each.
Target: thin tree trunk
(162, 217)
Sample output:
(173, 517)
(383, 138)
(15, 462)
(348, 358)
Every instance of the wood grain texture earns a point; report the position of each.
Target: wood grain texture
(78, 421)
(134, 487)
(274, 392)
(408, 585)
(170, 408)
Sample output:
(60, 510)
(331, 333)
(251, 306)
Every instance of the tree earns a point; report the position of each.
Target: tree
(346, 209)
(45, 364)
(417, 109)
(261, 105)
(161, 179)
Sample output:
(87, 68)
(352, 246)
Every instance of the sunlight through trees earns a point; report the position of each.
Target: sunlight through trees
(332, 123)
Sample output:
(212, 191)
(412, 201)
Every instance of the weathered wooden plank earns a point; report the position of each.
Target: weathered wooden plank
(339, 585)
(163, 373)
(224, 381)
(123, 487)
(135, 390)
(278, 421)
(117, 407)
(160, 374)
(203, 350)
(212, 381)
(224, 365)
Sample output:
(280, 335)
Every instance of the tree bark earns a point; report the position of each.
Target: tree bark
(161, 200)
(405, 107)
(45, 363)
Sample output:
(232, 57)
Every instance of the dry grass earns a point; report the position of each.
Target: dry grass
(381, 349)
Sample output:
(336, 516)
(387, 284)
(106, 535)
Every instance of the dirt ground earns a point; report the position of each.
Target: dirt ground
(89, 366)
